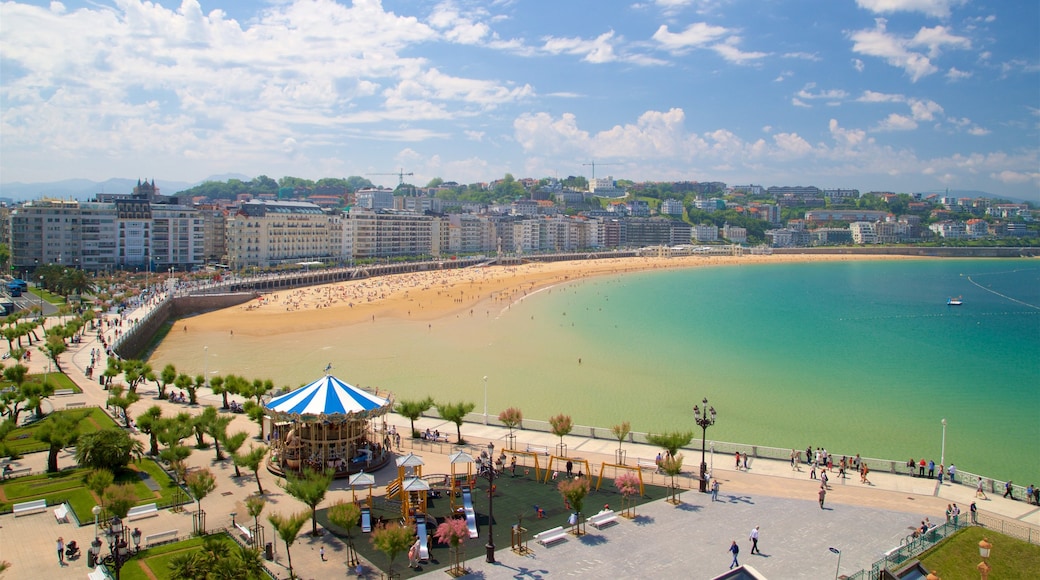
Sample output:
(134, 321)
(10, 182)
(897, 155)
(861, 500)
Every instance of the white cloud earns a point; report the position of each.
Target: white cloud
(924, 109)
(800, 103)
(858, 65)
(474, 135)
(876, 97)
(957, 75)
(729, 51)
(447, 19)
(810, 56)
(698, 34)
(898, 51)
(1008, 176)
(978, 131)
(937, 8)
(792, 144)
(598, 50)
(830, 94)
(895, 122)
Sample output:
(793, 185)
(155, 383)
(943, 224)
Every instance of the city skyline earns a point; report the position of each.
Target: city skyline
(888, 95)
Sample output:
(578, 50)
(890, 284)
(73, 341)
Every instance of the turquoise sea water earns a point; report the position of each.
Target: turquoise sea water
(860, 357)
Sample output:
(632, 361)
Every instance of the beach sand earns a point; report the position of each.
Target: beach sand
(432, 296)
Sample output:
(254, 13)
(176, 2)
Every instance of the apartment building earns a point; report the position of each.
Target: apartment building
(266, 233)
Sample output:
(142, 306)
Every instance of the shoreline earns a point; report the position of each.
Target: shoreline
(435, 295)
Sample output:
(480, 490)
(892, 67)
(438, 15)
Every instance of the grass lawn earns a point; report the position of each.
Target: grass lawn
(153, 563)
(69, 485)
(957, 557)
(23, 439)
(514, 497)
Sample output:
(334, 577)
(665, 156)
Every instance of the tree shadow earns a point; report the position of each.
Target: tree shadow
(642, 520)
(592, 540)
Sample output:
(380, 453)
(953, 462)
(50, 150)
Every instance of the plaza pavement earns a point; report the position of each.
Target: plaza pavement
(665, 541)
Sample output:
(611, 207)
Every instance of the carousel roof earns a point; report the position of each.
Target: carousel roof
(327, 396)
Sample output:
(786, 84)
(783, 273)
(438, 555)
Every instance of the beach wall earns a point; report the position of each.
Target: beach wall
(137, 337)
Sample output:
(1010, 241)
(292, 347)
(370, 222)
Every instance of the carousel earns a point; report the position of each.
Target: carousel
(328, 425)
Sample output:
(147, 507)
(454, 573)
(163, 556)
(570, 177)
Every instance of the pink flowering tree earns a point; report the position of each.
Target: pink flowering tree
(512, 418)
(453, 532)
(561, 425)
(628, 486)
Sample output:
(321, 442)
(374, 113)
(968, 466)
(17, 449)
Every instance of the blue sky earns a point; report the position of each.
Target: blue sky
(887, 95)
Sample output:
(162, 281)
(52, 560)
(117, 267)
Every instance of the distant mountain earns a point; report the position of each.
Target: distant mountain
(971, 193)
(84, 189)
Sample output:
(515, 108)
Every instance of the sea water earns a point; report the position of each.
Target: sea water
(859, 357)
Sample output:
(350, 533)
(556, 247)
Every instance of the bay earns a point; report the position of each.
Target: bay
(859, 356)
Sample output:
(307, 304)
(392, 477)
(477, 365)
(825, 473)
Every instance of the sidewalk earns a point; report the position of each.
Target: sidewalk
(667, 541)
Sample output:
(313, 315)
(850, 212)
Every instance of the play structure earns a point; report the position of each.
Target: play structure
(409, 488)
(558, 459)
(327, 425)
(471, 516)
(534, 460)
(461, 475)
(361, 480)
(424, 541)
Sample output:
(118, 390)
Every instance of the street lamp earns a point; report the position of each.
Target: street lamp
(119, 537)
(983, 567)
(838, 568)
(942, 450)
(490, 469)
(485, 400)
(705, 417)
(205, 365)
(96, 510)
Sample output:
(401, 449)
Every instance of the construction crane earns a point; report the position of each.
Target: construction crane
(400, 176)
(593, 164)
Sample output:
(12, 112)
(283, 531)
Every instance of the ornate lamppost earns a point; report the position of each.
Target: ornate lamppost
(119, 538)
(984, 567)
(705, 417)
(489, 470)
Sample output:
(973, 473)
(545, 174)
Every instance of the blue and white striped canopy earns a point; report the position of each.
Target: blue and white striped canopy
(328, 396)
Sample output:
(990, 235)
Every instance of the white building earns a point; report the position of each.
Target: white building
(706, 233)
(672, 207)
(268, 233)
(863, 232)
(375, 199)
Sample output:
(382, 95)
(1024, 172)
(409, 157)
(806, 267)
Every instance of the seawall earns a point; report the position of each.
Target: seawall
(136, 338)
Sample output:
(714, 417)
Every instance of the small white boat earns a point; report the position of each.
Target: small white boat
(954, 301)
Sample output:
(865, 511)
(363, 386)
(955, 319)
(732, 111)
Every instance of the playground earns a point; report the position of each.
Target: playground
(526, 498)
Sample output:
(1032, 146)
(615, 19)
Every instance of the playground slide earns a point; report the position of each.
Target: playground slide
(471, 516)
(420, 530)
(366, 520)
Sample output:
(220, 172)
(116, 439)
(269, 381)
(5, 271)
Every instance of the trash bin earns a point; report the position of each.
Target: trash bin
(269, 551)
(90, 559)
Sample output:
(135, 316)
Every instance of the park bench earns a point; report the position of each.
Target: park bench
(538, 449)
(15, 471)
(142, 511)
(603, 519)
(76, 405)
(97, 574)
(62, 513)
(160, 538)
(64, 392)
(648, 464)
(245, 531)
(29, 507)
(550, 536)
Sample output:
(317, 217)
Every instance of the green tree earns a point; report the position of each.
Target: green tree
(166, 378)
(413, 409)
(200, 483)
(117, 399)
(110, 449)
(53, 348)
(287, 528)
(256, 414)
(253, 460)
(672, 467)
(392, 539)
(232, 443)
(574, 491)
(345, 514)
(670, 441)
(310, 488)
(254, 507)
(456, 413)
(511, 418)
(120, 498)
(147, 423)
(98, 481)
(621, 431)
(560, 426)
(217, 429)
(219, 387)
(58, 432)
(13, 398)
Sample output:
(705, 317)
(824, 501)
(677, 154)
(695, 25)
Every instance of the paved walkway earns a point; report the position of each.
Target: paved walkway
(690, 540)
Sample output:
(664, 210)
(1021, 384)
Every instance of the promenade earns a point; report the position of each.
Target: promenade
(686, 541)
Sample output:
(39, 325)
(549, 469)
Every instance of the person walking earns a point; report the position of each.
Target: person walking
(734, 549)
(974, 513)
(823, 495)
(1008, 489)
(61, 551)
(321, 551)
(715, 490)
(738, 460)
(978, 489)
(754, 541)
(823, 478)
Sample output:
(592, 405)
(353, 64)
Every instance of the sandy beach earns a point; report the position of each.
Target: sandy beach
(430, 296)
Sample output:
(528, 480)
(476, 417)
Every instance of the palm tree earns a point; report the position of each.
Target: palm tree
(287, 528)
(116, 399)
(217, 429)
(255, 506)
(166, 378)
(253, 459)
(310, 488)
(147, 423)
(232, 443)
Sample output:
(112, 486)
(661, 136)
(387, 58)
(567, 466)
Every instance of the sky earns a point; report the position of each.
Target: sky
(878, 95)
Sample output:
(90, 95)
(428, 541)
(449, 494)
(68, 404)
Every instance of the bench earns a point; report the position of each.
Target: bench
(64, 392)
(245, 531)
(603, 519)
(29, 507)
(160, 538)
(62, 513)
(538, 449)
(648, 464)
(98, 574)
(142, 511)
(14, 471)
(550, 536)
(76, 405)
